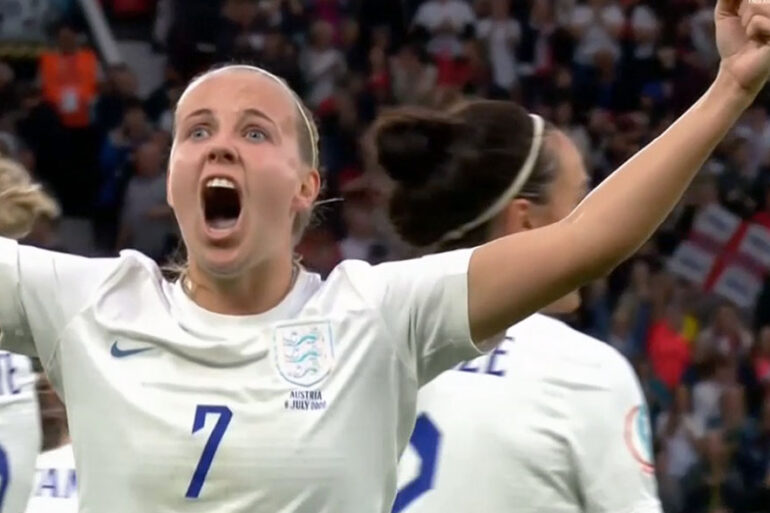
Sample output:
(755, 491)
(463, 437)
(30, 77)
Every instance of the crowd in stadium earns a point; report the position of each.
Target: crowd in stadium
(611, 74)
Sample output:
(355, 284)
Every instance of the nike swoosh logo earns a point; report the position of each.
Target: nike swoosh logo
(122, 353)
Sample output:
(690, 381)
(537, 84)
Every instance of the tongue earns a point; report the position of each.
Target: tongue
(221, 223)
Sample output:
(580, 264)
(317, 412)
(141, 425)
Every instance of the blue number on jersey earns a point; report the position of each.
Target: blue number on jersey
(7, 370)
(225, 415)
(426, 439)
(5, 475)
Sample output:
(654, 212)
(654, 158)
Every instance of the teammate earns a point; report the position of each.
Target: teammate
(21, 203)
(251, 385)
(556, 419)
(55, 488)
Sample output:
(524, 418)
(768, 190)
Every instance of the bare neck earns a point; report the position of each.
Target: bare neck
(256, 291)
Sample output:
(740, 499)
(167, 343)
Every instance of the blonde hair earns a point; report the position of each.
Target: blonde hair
(22, 202)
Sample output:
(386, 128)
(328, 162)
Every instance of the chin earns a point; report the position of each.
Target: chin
(222, 262)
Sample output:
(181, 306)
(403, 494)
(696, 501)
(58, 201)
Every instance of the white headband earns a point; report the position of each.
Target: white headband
(522, 176)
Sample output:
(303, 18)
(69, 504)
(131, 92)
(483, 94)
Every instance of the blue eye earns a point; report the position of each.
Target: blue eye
(199, 132)
(255, 134)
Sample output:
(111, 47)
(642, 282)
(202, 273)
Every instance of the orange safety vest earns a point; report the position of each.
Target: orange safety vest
(69, 83)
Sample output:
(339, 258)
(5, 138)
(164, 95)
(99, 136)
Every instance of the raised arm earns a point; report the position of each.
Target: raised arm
(517, 275)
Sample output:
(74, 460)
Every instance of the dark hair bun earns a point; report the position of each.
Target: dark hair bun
(411, 145)
(449, 167)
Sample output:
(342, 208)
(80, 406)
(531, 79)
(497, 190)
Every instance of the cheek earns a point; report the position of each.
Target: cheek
(274, 189)
(182, 182)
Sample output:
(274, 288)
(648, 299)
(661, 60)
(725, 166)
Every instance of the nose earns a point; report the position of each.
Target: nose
(221, 155)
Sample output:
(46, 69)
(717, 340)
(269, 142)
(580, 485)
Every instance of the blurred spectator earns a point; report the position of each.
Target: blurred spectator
(322, 64)
(68, 76)
(597, 26)
(116, 152)
(669, 488)
(736, 180)
(414, 76)
(39, 127)
(8, 97)
(701, 29)
(708, 392)
(120, 88)
(714, 484)
(362, 241)
(679, 433)
(726, 335)
(238, 36)
(669, 350)
(756, 129)
(761, 359)
(645, 29)
(147, 223)
(351, 45)
(163, 99)
(280, 57)
(564, 118)
(733, 420)
(445, 22)
(26, 20)
(754, 460)
(501, 33)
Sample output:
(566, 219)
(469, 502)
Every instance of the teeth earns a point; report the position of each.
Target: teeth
(222, 224)
(220, 182)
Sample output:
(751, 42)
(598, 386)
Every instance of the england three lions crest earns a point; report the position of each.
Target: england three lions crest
(304, 353)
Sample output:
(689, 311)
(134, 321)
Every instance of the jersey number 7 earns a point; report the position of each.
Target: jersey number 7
(201, 412)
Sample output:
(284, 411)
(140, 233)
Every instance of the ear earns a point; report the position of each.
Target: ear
(309, 189)
(516, 217)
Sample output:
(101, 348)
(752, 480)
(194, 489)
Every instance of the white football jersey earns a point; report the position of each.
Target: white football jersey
(550, 421)
(304, 408)
(56, 486)
(19, 431)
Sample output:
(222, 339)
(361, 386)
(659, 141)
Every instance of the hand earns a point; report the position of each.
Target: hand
(742, 35)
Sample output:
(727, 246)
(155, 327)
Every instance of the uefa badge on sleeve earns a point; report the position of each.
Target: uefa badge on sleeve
(639, 437)
(304, 352)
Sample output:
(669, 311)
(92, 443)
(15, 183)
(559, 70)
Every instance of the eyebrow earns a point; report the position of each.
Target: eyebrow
(200, 112)
(258, 113)
(246, 112)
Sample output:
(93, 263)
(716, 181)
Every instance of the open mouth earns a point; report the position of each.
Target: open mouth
(221, 203)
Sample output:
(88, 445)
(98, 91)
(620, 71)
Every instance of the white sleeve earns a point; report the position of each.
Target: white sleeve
(40, 292)
(424, 304)
(614, 448)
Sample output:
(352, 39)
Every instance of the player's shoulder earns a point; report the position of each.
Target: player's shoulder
(562, 346)
(127, 279)
(130, 267)
(370, 281)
